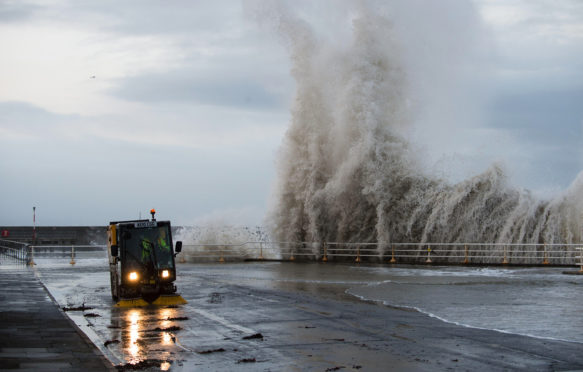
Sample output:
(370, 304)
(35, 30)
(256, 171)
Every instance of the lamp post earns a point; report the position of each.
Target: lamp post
(33, 225)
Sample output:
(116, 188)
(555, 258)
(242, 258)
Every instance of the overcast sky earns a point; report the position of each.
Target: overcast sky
(110, 108)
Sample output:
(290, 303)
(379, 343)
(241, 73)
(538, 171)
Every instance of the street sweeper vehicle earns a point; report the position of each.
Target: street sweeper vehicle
(141, 263)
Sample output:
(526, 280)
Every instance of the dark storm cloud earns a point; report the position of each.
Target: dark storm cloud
(174, 87)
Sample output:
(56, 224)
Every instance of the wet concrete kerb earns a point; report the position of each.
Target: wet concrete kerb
(35, 334)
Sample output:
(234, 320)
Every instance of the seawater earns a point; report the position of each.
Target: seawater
(538, 302)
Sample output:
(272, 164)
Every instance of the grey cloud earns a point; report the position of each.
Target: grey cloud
(551, 125)
(13, 11)
(552, 13)
(190, 19)
(26, 116)
(174, 87)
(554, 116)
(153, 16)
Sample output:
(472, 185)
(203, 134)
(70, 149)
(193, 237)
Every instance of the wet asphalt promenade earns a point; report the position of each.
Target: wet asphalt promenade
(35, 335)
(245, 317)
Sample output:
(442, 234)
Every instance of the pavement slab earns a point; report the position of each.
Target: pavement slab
(35, 334)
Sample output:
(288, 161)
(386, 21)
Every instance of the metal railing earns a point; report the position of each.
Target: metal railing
(63, 251)
(580, 263)
(394, 253)
(13, 251)
(442, 253)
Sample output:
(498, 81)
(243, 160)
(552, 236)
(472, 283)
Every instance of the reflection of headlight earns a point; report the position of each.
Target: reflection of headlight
(165, 274)
(133, 276)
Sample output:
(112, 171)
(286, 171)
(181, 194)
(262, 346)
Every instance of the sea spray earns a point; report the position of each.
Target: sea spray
(213, 240)
(347, 174)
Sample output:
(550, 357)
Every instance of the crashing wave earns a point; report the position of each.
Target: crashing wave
(347, 174)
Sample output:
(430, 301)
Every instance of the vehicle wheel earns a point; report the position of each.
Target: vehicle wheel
(114, 286)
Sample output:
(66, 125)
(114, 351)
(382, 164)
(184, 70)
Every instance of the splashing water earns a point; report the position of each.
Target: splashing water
(206, 242)
(346, 174)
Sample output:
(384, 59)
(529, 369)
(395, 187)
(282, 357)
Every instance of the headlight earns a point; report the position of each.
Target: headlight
(133, 276)
(165, 273)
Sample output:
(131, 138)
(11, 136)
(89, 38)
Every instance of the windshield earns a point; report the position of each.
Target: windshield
(150, 245)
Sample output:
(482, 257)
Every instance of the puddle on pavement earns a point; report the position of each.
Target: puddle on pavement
(144, 334)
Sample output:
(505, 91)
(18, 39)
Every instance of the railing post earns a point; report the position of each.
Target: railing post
(546, 258)
(466, 259)
(31, 258)
(505, 261)
(72, 255)
(221, 259)
(325, 258)
(393, 259)
(428, 255)
(260, 250)
(357, 254)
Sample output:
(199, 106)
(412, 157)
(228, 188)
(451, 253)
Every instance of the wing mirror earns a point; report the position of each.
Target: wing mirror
(114, 250)
(178, 248)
